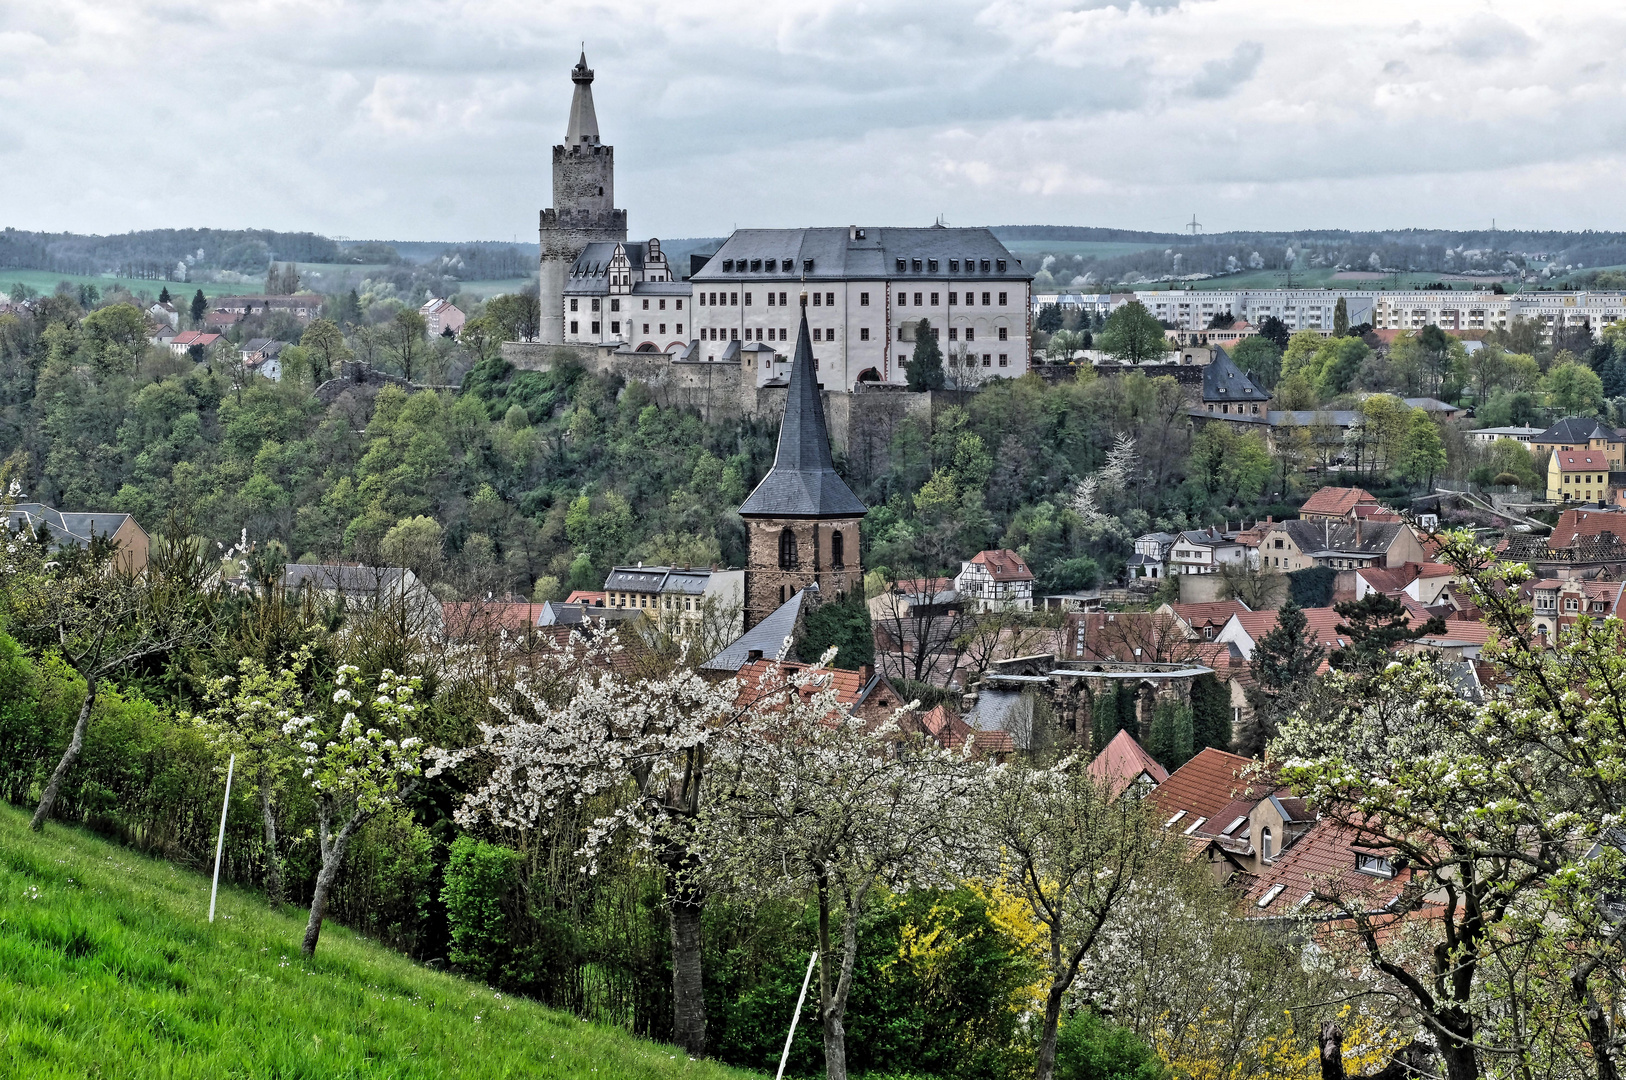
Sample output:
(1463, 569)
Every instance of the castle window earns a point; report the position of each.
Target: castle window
(970, 334)
(595, 329)
(954, 335)
(680, 303)
(807, 266)
(573, 305)
(679, 329)
(1004, 360)
(770, 299)
(954, 266)
(601, 189)
(931, 265)
(595, 303)
(663, 328)
(747, 299)
(573, 325)
(915, 265)
(728, 264)
(734, 298)
(818, 299)
(917, 299)
(663, 304)
(787, 550)
(756, 265)
(954, 298)
(829, 299)
(615, 328)
(1002, 333)
(646, 328)
(900, 266)
(786, 265)
(1002, 300)
(1001, 266)
(985, 299)
(818, 335)
(935, 300)
(985, 266)
(903, 299)
(863, 299)
(615, 305)
(987, 360)
(781, 299)
(863, 333)
(838, 557)
(646, 305)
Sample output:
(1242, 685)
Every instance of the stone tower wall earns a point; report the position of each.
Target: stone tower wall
(564, 234)
(584, 177)
(767, 586)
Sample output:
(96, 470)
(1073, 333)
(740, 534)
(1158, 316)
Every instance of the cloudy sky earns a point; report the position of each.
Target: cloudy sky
(432, 119)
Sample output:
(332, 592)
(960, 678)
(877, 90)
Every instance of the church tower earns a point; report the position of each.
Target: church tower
(583, 209)
(802, 520)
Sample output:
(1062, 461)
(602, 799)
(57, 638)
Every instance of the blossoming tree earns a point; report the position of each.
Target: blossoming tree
(358, 766)
(809, 800)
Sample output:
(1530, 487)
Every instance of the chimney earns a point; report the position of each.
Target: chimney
(1358, 533)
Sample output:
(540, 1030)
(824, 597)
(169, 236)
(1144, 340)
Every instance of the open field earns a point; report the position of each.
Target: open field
(109, 968)
(45, 281)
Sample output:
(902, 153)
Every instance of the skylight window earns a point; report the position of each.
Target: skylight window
(1178, 814)
(1195, 825)
(1270, 894)
(1232, 827)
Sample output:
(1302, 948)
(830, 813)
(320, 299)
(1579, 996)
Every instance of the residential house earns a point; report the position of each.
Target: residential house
(678, 598)
(1556, 603)
(1203, 622)
(222, 320)
(1127, 767)
(1424, 582)
(368, 588)
(1204, 551)
(1245, 629)
(1335, 504)
(1229, 391)
(1586, 540)
(1241, 819)
(441, 317)
(1327, 855)
(1582, 476)
(74, 529)
(1491, 434)
(166, 312)
(916, 598)
(182, 342)
(302, 306)
(996, 581)
(264, 357)
(1436, 409)
(1299, 545)
(1582, 433)
(1151, 557)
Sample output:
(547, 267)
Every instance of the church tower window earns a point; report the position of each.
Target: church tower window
(838, 558)
(787, 550)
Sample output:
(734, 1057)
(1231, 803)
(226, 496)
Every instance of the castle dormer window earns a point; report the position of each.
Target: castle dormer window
(954, 266)
(914, 264)
(728, 265)
(756, 265)
(787, 265)
(931, 265)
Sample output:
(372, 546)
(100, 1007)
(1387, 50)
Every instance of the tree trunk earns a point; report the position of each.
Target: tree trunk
(1461, 1063)
(830, 1010)
(1044, 1068)
(273, 860)
(332, 859)
(688, 992)
(1332, 1052)
(75, 746)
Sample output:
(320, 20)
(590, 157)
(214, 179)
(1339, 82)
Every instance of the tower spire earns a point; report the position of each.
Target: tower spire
(803, 481)
(583, 120)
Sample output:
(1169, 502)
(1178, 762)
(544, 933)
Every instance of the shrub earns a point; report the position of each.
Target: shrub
(1090, 1048)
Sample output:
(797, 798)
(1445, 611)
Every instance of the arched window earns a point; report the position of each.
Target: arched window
(838, 553)
(1265, 850)
(787, 550)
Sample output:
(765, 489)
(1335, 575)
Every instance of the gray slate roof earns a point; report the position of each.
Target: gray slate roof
(803, 481)
(1316, 538)
(833, 254)
(1224, 381)
(65, 528)
(658, 579)
(1577, 429)
(350, 580)
(769, 639)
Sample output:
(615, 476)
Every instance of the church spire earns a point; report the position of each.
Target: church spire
(583, 120)
(803, 481)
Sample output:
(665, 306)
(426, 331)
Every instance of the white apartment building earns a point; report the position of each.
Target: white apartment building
(1088, 303)
(867, 290)
(1450, 309)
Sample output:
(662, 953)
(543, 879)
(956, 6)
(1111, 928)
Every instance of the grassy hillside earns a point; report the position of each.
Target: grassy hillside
(109, 968)
(45, 281)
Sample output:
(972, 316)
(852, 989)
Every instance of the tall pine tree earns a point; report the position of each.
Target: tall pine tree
(1284, 661)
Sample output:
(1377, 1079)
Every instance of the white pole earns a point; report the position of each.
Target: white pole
(797, 1015)
(220, 845)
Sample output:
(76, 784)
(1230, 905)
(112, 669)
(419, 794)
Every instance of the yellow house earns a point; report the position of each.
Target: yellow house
(1578, 476)
(1580, 433)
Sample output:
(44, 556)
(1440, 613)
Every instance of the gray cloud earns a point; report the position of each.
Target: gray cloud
(1222, 78)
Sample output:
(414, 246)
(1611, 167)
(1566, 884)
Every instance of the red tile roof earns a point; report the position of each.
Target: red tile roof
(1124, 761)
(848, 684)
(586, 596)
(464, 618)
(1322, 859)
(1203, 786)
(1577, 523)
(1322, 622)
(1004, 565)
(950, 732)
(1213, 613)
(1581, 460)
(1335, 501)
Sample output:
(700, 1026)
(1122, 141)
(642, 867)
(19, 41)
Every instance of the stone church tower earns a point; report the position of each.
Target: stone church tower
(802, 520)
(583, 209)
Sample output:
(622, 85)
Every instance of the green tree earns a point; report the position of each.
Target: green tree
(1422, 457)
(414, 543)
(842, 624)
(1340, 318)
(118, 334)
(1374, 625)
(1210, 713)
(1090, 1048)
(199, 306)
(1283, 664)
(1171, 735)
(328, 352)
(1260, 358)
(1133, 335)
(1574, 389)
(1049, 320)
(406, 339)
(163, 295)
(924, 367)
(513, 316)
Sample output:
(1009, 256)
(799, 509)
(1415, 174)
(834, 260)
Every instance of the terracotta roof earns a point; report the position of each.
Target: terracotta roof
(950, 732)
(1202, 787)
(1581, 460)
(849, 685)
(1213, 613)
(1004, 565)
(586, 596)
(1374, 512)
(1323, 858)
(489, 615)
(1580, 522)
(1336, 501)
(1322, 622)
(1460, 631)
(1123, 761)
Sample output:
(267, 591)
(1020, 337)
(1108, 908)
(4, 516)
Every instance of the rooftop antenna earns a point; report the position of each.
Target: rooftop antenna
(1194, 225)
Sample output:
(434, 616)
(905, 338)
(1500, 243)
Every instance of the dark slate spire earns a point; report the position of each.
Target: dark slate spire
(803, 481)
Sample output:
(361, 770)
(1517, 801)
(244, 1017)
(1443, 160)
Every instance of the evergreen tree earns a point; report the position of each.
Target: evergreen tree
(199, 306)
(1170, 737)
(1340, 318)
(925, 367)
(163, 295)
(1375, 624)
(1049, 319)
(1210, 713)
(1284, 662)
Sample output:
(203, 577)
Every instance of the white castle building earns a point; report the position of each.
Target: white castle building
(868, 288)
